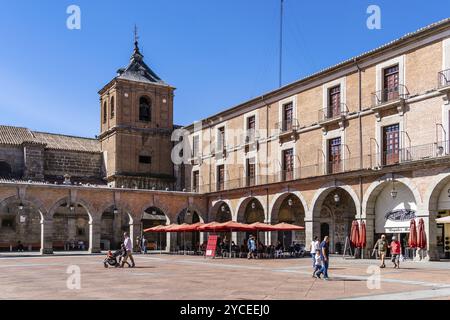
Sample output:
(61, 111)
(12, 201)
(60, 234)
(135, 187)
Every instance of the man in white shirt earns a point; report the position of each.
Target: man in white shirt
(314, 246)
(129, 247)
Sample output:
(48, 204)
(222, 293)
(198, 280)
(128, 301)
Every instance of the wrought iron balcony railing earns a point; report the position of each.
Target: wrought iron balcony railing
(399, 92)
(286, 126)
(444, 78)
(333, 113)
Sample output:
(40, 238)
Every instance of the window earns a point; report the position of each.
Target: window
(195, 146)
(105, 113)
(251, 127)
(287, 116)
(7, 222)
(334, 102)
(112, 107)
(288, 164)
(5, 170)
(251, 172)
(220, 177)
(391, 83)
(221, 139)
(144, 109)
(195, 180)
(391, 144)
(145, 159)
(334, 155)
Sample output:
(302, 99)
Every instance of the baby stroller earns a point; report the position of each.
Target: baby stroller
(111, 259)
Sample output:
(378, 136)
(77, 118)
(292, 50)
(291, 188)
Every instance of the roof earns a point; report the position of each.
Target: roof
(138, 71)
(70, 143)
(17, 136)
(333, 68)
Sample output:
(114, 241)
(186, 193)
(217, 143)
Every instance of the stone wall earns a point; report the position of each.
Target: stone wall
(57, 163)
(13, 155)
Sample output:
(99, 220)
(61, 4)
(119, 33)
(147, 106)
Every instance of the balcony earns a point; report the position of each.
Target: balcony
(220, 152)
(331, 116)
(195, 159)
(444, 83)
(250, 141)
(390, 98)
(287, 130)
(411, 154)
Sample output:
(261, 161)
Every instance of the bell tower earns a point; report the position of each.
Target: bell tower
(136, 123)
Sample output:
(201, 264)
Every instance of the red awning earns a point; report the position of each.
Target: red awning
(235, 226)
(283, 226)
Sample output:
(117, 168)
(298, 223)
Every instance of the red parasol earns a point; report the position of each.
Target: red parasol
(175, 227)
(354, 234)
(422, 238)
(362, 235)
(209, 227)
(190, 227)
(412, 241)
(283, 226)
(158, 228)
(259, 226)
(234, 226)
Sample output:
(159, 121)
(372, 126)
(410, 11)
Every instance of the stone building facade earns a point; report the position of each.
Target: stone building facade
(367, 140)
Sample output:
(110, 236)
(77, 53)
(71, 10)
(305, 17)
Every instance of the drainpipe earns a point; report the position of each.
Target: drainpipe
(267, 138)
(361, 162)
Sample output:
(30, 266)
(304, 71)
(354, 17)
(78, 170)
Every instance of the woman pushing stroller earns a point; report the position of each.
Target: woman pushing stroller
(111, 257)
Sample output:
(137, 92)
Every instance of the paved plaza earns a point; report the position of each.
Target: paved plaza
(193, 277)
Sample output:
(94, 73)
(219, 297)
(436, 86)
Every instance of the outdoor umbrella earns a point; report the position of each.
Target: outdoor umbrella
(283, 226)
(209, 227)
(362, 237)
(354, 234)
(189, 228)
(231, 226)
(412, 241)
(443, 220)
(421, 236)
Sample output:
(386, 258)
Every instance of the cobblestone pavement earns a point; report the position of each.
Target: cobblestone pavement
(192, 277)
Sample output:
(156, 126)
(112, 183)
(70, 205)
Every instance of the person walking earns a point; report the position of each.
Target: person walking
(396, 249)
(129, 250)
(138, 244)
(382, 246)
(314, 246)
(325, 256)
(144, 245)
(251, 247)
(318, 264)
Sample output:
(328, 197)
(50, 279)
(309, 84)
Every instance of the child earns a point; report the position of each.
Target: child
(317, 265)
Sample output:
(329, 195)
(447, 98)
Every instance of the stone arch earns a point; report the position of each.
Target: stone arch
(290, 208)
(338, 216)
(280, 197)
(86, 205)
(376, 187)
(213, 212)
(373, 192)
(324, 190)
(164, 208)
(31, 230)
(242, 204)
(154, 216)
(434, 189)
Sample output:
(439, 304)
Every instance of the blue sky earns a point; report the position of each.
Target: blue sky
(216, 53)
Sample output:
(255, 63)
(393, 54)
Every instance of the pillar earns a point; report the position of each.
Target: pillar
(370, 235)
(430, 230)
(46, 236)
(135, 231)
(94, 235)
(309, 232)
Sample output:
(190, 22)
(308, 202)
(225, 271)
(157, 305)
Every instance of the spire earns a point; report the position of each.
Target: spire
(136, 54)
(137, 70)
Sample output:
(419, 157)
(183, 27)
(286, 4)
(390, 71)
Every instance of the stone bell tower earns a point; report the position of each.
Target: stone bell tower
(136, 123)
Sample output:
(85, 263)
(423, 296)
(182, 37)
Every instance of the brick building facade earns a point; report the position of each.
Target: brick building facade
(367, 140)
